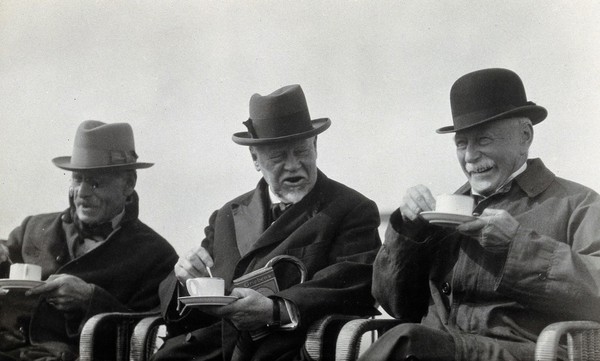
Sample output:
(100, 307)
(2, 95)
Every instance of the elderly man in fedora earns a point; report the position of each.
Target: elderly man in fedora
(484, 289)
(96, 256)
(295, 210)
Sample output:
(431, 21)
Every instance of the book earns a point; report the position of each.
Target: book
(263, 280)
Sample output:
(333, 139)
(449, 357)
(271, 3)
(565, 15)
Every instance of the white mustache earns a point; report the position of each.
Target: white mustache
(475, 168)
(85, 204)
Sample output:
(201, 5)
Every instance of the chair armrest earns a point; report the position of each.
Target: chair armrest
(322, 334)
(349, 338)
(583, 340)
(106, 335)
(143, 340)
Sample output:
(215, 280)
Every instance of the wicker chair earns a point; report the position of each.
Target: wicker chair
(107, 336)
(134, 336)
(350, 337)
(582, 339)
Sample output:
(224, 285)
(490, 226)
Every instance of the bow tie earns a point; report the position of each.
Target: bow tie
(277, 210)
(92, 232)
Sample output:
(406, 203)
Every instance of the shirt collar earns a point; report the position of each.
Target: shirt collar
(273, 197)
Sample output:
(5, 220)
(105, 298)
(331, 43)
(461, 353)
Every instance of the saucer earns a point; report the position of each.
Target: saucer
(10, 283)
(446, 219)
(192, 301)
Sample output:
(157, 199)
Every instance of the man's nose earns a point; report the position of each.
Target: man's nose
(291, 162)
(84, 189)
(472, 153)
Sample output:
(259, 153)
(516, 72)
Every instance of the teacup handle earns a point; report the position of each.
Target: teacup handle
(190, 284)
(294, 260)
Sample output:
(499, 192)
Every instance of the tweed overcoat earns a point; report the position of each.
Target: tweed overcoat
(332, 230)
(495, 304)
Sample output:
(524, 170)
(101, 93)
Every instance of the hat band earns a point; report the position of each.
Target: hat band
(466, 120)
(291, 124)
(87, 157)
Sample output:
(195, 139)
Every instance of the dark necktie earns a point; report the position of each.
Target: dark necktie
(277, 210)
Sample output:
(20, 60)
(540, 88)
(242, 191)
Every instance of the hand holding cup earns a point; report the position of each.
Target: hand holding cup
(193, 265)
(416, 200)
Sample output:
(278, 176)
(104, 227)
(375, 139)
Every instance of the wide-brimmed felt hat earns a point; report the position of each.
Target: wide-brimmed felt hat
(281, 116)
(489, 94)
(99, 146)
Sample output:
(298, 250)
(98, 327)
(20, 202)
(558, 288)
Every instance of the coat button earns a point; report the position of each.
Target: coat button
(542, 276)
(189, 338)
(411, 358)
(59, 259)
(446, 288)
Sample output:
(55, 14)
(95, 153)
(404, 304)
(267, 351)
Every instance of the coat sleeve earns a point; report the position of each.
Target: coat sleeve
(343, 286)
(401, 270)
(558, 276)
(14, 243)
(179, 319)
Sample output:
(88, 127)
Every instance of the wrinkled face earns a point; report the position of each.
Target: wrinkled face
(488, 154)
(100, 196)
(289, 169)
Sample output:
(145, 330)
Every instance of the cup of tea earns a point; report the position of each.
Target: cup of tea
(206, 286)
(25, 271)
(454, 204)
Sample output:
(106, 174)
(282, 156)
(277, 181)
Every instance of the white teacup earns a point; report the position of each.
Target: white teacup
(206, 286)
(25, 271)
(454, 204)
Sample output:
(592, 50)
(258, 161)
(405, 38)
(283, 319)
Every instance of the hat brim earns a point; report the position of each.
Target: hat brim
(534, 112)
(319, 126)
(65, 163)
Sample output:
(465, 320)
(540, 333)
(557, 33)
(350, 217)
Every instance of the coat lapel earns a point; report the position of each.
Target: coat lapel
(249, 220)
(285, 225)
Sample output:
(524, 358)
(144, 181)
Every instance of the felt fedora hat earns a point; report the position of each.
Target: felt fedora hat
(281, 116)
(98, 145)
(489, 94)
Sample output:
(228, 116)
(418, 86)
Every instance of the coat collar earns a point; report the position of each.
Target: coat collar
(533, 181)
(250, 216)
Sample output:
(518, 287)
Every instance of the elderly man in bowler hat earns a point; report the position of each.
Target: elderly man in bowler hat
(485, 289)
(96, 256)
(294, 210)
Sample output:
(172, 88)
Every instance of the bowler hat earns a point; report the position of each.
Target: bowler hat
(281, 116)
(489, 94)
(98, 145)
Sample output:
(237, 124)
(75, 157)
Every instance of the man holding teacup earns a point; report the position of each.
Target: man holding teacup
(94, 257)
(485, 288)
(294, 210)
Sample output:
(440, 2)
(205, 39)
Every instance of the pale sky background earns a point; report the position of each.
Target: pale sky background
(182, 73)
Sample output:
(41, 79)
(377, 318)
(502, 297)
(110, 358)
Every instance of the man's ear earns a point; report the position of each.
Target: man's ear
(254, 158)
(130, 181)
(527, 134)
(526, 137)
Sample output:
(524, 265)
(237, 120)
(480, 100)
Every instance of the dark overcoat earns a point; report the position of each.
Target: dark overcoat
(125, 271)
(332, 230)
